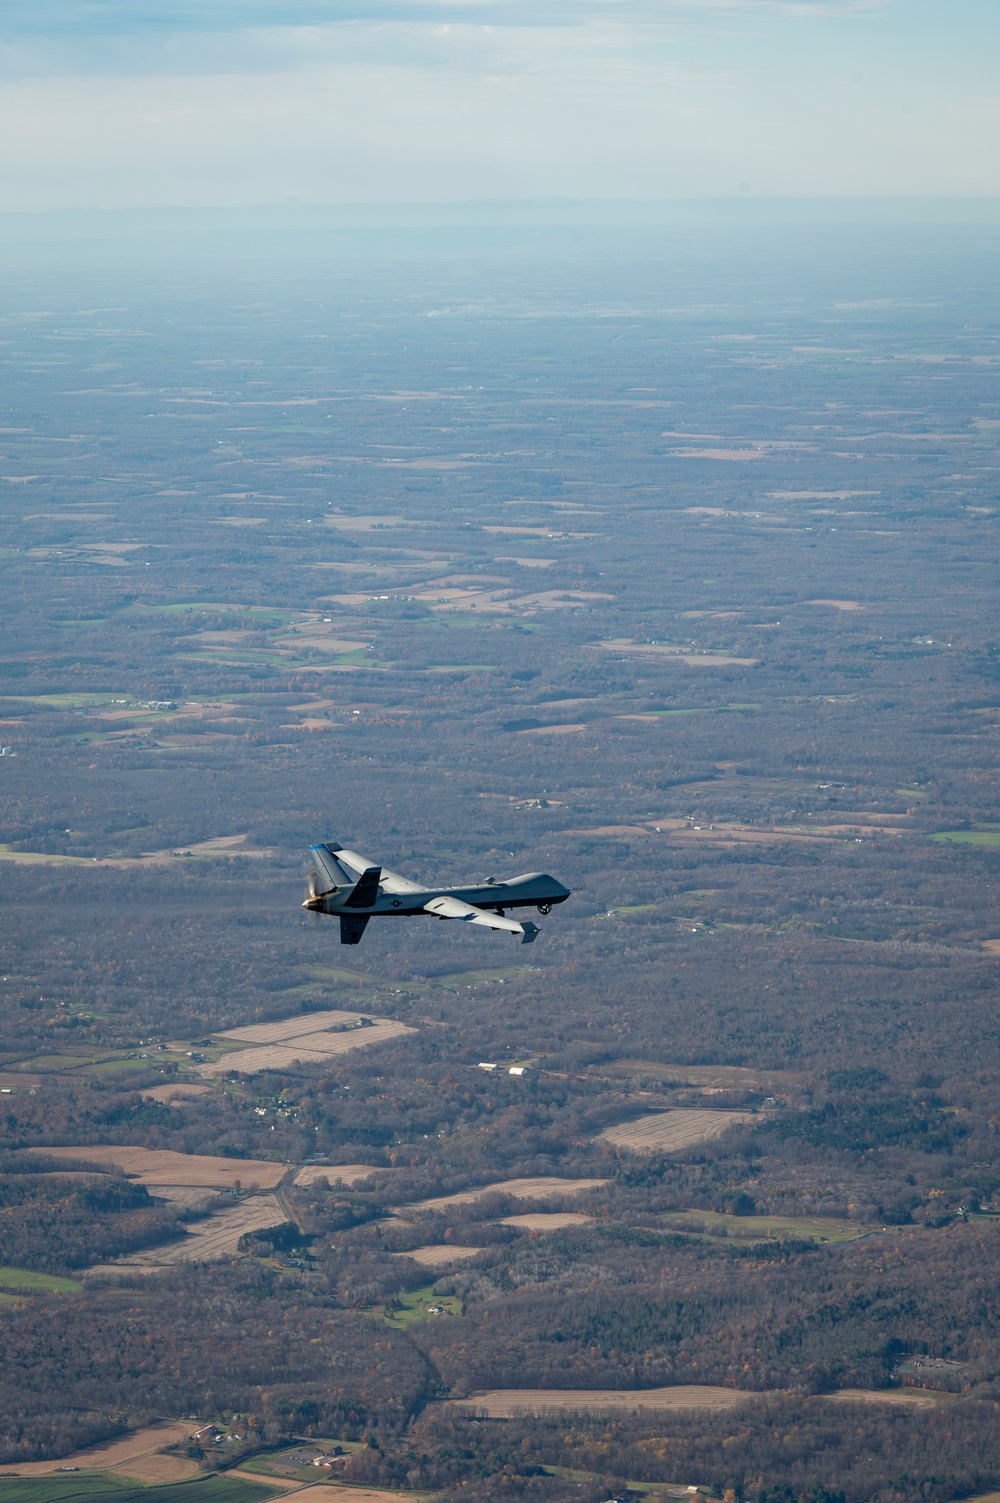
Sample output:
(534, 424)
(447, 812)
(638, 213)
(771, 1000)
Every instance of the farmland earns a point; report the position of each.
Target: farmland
(508, 1402)
(669, 1132)
(737, 689)
(163, 1167)
(540, 1188)
(136, 1456)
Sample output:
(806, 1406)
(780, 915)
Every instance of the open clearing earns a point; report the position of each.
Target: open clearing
(162, 1166)
(546, 1221)
(437, 1254)
(768, 1228)
(174, 1095)
(539, 1188)
(310, 1038)
(346, 1174)
(210, 1240)
(133, 1455)
(666, 1132)
(899, 1398)
(507, 1403)
(26, 1281)
(709, 1077)
(986, 835)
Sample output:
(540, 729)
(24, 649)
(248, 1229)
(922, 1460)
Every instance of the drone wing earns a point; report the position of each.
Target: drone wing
(454, 908)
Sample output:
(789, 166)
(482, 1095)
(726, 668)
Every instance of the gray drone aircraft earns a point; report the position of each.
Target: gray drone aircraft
(347, 885)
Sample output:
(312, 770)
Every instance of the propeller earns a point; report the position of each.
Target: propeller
(317, 891)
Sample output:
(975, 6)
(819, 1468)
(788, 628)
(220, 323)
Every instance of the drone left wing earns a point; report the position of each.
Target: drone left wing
(454, 908)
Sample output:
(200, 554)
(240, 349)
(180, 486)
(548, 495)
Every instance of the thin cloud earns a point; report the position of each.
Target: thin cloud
(62, 18)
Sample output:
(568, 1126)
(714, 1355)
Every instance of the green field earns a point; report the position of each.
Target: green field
(96, 1487)
(416, 1305)
(24, 1281)
(700, 710)
(982, 835)
(768, 1228)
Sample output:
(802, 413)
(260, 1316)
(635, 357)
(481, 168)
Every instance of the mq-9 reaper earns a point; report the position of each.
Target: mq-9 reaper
(348, 886)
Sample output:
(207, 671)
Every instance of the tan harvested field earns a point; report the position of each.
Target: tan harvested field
(306, 1038)
(15, 1081)
(347, 1174)
(209, 1240)
(223, 845)
(134, 1455)
(552, 730)
(174, 1095)
(899, 1398)
(438, 1254)
(546, 1221)
(992, 946)
(162, 1166)
(312, 1048)
(666, 1132)
(836, 605)
(294, 1028)
(539, 1188)
(507, 1403)
(711, 1077)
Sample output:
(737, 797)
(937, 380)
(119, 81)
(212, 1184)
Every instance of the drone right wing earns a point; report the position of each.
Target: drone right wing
(454, 908)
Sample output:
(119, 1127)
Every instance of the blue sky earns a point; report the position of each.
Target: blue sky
(121, 103)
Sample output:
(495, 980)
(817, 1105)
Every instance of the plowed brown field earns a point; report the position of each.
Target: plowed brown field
(133, 1455)
(348, 1174)
(438, 1254)
(666, 1132)
(546, 1221)
(507, 1403)
(310, 1045)
(521, 1189)
(162, 1166)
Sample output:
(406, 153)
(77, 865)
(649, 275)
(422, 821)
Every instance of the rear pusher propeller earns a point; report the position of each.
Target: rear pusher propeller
(317, 890)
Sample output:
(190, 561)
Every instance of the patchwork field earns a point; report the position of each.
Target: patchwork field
(438, 1254)
(507, 1403)
(539, 1188)
(135, 1455)
(666, 1132)
(307, 1038)
(162, 1166)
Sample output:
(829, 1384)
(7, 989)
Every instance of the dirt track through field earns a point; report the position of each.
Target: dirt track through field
(520, 1189)
(162, 1166)
(667, 1132)
(134, 1455)
(507, 1403)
